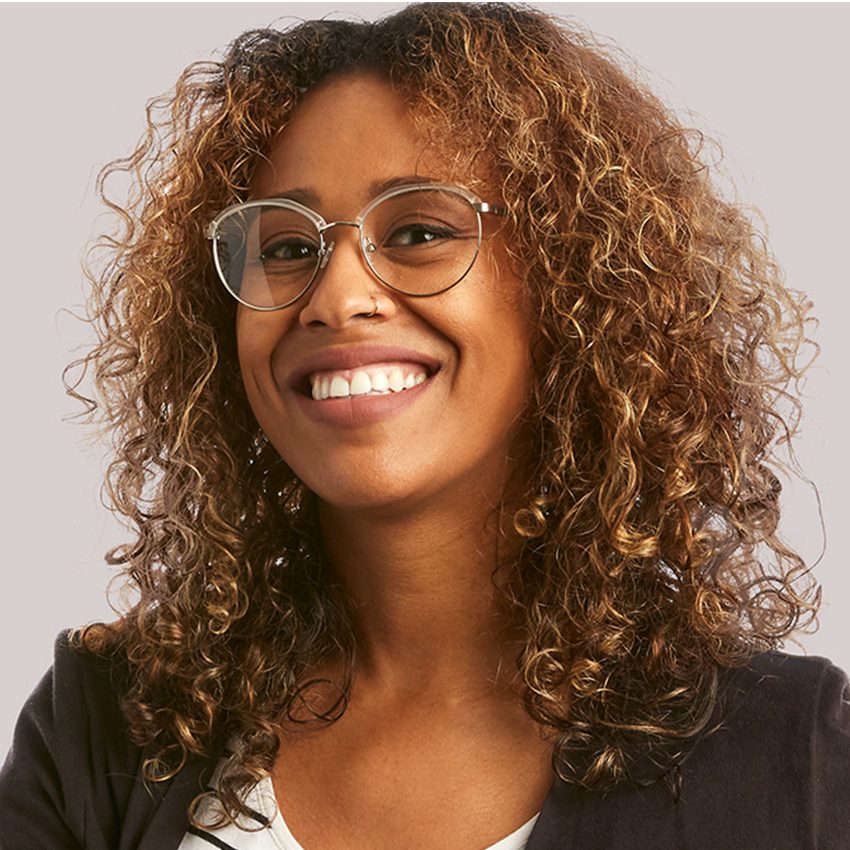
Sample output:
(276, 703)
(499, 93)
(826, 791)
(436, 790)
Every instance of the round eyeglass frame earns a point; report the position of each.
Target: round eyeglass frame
(366, 245)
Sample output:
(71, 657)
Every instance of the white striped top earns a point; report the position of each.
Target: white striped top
(274, 834)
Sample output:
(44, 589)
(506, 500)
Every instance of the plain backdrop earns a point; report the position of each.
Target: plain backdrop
(767, 80)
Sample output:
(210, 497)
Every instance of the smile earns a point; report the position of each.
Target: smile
(352, 409)
(377, 379)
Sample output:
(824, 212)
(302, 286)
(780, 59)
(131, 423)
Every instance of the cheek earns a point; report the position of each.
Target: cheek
(258, 338)
(510, 316)
(258, 332)
(515, 357)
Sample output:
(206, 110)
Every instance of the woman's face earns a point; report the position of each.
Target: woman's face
(453, 435)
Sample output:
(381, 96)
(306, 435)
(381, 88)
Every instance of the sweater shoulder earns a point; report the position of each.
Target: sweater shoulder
(87, 688)
(73, 777)
(781, 750)
(72, 764)
(789, 670)
(783, 690)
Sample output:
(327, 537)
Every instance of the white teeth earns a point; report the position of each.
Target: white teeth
(362, 383)
(396, 379)
(379, 382)
(339, 387)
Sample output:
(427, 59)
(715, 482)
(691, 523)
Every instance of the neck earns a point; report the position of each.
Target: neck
(424, 606)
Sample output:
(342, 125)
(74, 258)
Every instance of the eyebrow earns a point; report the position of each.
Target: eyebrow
(310, 198)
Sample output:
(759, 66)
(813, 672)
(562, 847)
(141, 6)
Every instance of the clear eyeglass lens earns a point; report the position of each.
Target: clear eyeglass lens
(418, 242)
(425, 241)
(267, 254)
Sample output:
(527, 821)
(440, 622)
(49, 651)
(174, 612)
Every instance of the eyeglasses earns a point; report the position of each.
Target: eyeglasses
(419, 240)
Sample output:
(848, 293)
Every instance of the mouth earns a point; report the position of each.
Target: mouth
(384, 388)
(343, 410)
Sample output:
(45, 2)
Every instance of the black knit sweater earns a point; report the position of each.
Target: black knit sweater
(775, 775)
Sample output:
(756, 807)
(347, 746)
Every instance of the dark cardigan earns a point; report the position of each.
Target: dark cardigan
(775, 775)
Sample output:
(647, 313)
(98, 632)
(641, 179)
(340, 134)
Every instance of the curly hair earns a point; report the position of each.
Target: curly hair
(667, 354)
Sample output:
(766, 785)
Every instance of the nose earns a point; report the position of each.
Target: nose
(344, 288)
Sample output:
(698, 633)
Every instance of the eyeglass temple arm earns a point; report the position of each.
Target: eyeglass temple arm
(483, 207)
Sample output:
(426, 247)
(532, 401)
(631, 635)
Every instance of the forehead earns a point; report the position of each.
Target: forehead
(352, 134)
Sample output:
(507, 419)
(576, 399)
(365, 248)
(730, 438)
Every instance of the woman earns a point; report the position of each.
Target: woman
(446, 389)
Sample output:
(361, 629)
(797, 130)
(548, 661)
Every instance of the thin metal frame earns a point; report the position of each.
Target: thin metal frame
(366, 246)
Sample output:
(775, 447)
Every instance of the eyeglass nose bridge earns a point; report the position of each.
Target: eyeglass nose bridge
(328, 249)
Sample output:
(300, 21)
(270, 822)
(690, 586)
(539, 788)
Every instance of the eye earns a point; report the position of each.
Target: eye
(419, 234)
(289, 249)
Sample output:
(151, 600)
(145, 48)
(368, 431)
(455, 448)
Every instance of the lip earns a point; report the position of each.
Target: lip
(354, 411)
(352, 356)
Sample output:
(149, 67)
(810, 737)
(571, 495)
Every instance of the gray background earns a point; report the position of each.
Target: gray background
(768, 80)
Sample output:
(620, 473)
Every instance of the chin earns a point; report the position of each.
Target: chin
(360, 501)
(383, 500)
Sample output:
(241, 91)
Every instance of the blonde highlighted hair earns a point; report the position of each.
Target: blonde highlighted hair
(667, 350)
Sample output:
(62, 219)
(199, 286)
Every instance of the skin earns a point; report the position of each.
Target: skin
(406, 506)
